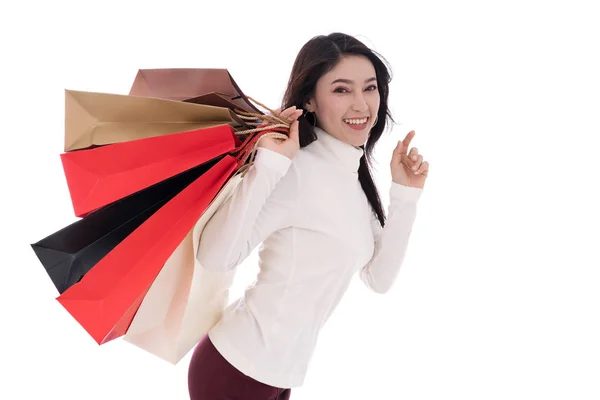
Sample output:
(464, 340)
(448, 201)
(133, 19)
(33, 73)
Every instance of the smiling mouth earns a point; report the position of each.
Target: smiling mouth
(356, 121)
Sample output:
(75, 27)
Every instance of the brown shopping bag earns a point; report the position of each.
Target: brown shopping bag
(96, 119)
(190, 85)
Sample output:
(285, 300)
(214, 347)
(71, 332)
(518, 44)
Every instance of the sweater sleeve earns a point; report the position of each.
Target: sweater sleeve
(391, 241)
(259, 206)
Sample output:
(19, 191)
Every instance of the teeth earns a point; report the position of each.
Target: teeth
(356, 121)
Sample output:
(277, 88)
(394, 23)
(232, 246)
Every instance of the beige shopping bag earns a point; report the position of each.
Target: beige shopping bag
(95, 119)
(186, 300)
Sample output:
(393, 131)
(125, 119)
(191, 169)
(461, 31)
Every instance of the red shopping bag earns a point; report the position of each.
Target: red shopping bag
(100, 176)
(106, 299)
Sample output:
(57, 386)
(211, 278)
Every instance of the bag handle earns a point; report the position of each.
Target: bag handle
(266, 125)
(260, 119)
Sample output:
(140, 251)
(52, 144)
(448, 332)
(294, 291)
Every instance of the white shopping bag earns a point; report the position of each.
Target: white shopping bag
(186, 300)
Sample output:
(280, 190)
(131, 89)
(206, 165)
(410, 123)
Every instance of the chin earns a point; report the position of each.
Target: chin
(355, 138)
(359, 140)
(357, 143)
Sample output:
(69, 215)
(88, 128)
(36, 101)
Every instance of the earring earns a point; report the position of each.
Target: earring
(314, 118)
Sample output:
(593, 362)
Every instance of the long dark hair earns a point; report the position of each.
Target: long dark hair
(317, 57)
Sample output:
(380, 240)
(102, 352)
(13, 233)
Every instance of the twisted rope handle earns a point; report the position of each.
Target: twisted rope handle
(264, 128)
(275, 121)
(252, 153)
(264, 117)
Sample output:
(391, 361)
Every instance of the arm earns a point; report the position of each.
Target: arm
(259, 206)
(391, 241)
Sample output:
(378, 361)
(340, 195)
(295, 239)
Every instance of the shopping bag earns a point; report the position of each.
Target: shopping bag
(99, 176)
(184, 84)
(186, 300)
(95, 119)
(217, 100)
(106, 299)
(68, 254)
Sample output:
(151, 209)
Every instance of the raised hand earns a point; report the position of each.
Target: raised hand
(408, 168)
(287, 147)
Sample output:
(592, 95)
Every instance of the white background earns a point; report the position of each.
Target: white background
(498, 297)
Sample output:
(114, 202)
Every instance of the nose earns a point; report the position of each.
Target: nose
(359, 104)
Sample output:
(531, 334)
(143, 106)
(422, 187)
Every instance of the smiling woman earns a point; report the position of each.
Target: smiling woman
(337, 78)
(311, 201)
(347, 107)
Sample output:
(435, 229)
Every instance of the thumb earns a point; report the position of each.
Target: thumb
(397, 154)
(294, 133)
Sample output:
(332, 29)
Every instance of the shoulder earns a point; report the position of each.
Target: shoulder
(308, 156)
(271, 160)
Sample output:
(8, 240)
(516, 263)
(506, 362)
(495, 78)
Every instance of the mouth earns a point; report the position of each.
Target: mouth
(357, 123)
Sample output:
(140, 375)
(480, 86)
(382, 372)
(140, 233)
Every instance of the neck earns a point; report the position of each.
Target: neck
(344, 154)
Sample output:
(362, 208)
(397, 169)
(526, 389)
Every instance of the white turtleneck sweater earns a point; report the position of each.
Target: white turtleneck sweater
(317, 230)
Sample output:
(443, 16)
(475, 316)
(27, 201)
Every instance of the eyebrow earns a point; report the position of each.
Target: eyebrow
(349, 82)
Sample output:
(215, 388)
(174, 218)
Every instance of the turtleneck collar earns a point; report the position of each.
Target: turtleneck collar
(344, 153)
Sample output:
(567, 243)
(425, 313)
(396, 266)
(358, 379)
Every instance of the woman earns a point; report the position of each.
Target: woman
(312, 203)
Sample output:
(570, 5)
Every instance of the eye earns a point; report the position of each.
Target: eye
(371, 88)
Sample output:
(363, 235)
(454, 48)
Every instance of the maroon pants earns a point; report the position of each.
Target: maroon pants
(212, 377)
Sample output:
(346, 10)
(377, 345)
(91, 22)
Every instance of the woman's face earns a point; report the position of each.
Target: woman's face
(346, 100)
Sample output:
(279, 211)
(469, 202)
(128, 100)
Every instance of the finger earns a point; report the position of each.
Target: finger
(417, 163)
(423, 169)
(413, 154)
(288, 112)
(397, 154)
(285, 114)
(294, 132)
(274, 113)
(295, 115)
(408, 138)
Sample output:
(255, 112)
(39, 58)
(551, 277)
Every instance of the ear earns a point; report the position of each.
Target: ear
(309, 105)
